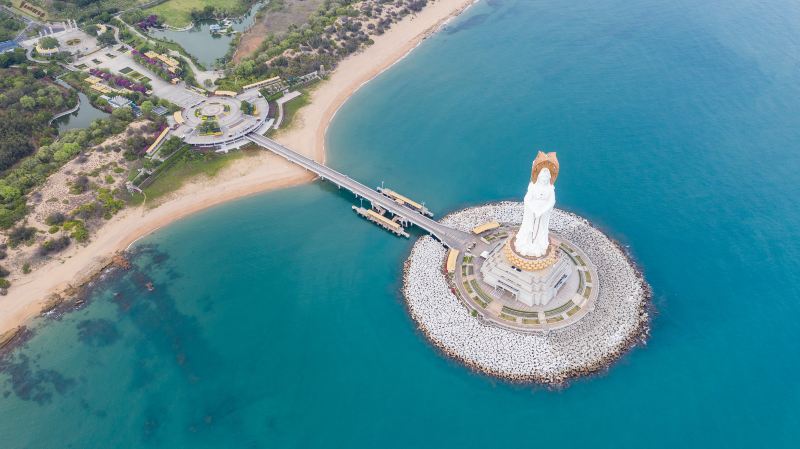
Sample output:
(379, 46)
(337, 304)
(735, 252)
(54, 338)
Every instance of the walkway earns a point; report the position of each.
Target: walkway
(452, 238)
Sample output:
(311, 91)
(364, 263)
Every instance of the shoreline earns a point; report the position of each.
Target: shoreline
(58, 279)
(532, 360)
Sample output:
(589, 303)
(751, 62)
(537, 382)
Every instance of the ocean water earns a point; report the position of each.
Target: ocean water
(277, 320)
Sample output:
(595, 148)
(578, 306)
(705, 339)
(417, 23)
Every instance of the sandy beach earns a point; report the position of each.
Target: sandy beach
(31, 293)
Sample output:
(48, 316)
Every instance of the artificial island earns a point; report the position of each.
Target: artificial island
(539, 295)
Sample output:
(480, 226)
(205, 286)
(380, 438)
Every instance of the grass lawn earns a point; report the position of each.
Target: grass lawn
(176, 12)
(191, 167)
(289, 111)
(291, 108)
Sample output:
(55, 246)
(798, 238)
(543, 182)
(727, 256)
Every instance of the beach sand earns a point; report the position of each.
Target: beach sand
(31, 293)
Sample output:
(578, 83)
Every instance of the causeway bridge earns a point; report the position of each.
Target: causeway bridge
(452, 238)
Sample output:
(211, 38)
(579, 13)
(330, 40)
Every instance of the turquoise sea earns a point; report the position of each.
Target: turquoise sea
(277, 320)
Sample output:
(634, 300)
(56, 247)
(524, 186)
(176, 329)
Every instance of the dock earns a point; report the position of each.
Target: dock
(405, 201)
(381, 220)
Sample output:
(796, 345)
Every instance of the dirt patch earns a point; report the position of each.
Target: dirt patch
(274, 20)
(99, 166)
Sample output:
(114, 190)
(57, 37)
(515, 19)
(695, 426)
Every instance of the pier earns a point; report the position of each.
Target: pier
(452, 238)
(390, 225)
(405, 201)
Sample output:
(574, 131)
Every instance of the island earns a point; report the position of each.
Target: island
(538, 295)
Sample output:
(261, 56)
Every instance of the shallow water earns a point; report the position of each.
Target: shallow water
(277, 322)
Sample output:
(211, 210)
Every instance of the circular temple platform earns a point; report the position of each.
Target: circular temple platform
(574, 299)
(230, 123)
(594, 319)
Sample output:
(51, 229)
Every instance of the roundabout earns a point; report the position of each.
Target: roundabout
(212, 109)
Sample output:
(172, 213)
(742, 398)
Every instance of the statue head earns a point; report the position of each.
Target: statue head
(547, 161)
(543, 177)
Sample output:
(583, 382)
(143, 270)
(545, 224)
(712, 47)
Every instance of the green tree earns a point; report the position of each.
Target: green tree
(124, 114)
(107, 38)
(8, 193)
(66, 152)
(247, 107)
(48, 42)
(27, 102)
(147, 107)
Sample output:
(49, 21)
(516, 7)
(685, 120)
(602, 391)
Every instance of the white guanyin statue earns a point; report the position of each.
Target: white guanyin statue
(533, 239)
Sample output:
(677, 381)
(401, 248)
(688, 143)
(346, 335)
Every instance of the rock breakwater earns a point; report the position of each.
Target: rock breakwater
(619, 321)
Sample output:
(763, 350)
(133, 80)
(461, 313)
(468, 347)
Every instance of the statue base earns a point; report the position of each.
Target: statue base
(526, 263)
(531, 281)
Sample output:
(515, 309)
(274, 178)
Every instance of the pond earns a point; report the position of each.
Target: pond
(81, 118)
(199, 41)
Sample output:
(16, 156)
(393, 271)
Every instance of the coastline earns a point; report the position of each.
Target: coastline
(36, 292)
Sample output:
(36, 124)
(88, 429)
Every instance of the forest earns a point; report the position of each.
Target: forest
(27, 103)
(9, 26)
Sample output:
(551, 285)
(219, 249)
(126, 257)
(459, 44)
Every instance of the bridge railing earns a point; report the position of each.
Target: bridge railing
(446, 235)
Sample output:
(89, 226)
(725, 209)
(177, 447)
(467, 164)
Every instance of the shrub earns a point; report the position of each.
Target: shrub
(86, 211)
(109, 204)
(26, 268)
(79, 185)
(77, 230)
(56, 218)
(4, 283)
(54, 245)
(21, 234)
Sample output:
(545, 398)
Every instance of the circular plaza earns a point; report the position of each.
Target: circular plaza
(222, 119)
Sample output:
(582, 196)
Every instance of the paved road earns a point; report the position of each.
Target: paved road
(453, 238)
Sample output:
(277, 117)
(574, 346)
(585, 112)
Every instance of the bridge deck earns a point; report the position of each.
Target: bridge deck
(453, 238)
